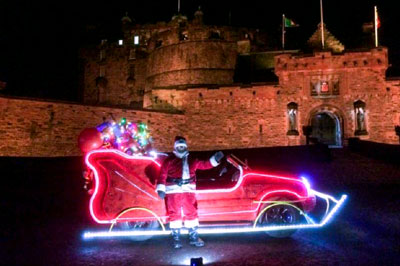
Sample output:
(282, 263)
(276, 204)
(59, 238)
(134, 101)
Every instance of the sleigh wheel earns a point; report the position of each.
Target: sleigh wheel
(127, 225)
(139, 225)
(279, 214)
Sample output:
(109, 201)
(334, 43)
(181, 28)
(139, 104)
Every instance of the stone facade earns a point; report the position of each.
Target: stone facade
(44, 128)
(179, 80)
(179, 53)
(257, 115)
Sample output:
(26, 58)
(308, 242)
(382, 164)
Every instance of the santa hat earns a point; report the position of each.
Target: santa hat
(179, 141)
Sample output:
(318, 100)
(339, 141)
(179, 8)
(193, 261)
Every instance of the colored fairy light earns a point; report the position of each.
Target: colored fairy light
(126, 136)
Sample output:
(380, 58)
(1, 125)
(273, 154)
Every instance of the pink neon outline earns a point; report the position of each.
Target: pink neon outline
(96, 176)
(259, 203)
(241, 178)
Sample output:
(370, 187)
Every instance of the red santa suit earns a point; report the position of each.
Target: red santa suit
(178, 180)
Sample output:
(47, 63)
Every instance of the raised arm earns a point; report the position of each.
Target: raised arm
(212, 162)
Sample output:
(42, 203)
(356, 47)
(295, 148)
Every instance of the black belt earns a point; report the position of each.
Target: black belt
(180, 181)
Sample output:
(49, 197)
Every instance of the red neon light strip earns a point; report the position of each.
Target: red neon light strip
(259, 203)
(239, 183)
(96, 175)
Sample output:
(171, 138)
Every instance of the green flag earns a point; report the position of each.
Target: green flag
(290, 23)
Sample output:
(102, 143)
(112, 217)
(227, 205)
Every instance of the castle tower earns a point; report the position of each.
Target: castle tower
(189, 53)
(126, 22)
(198, 17)
(331, 43)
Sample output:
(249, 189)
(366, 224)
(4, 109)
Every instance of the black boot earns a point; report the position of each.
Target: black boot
(176, 236)
(194, 238)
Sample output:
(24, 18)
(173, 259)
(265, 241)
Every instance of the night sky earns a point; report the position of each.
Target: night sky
(39, 41)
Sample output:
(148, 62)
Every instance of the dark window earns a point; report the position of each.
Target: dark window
(131, 71)
(335, 89)
(183, 36)
(215, 35)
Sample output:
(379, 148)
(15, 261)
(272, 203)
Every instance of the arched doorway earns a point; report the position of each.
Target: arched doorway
(326, 126)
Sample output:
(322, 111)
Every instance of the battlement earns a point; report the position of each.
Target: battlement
(152, 36)
(374, 58)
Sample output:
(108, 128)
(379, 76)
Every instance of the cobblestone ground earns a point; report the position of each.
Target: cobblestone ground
(45, 212)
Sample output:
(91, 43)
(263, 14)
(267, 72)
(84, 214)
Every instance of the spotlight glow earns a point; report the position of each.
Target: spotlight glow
(153, 154)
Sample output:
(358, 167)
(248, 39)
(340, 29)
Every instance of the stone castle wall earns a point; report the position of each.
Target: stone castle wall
(123, 81)
(177, 53)
(40, 128)
(256, 115)
(360, 76)
(230, 116)
(224, 117)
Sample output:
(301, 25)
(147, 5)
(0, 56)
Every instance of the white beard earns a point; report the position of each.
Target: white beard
(181, 154)
(185, 165)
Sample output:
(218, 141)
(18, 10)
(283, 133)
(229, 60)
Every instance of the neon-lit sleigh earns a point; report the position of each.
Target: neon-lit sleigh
(231, 199)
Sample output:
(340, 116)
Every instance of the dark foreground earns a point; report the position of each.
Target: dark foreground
(44, 212)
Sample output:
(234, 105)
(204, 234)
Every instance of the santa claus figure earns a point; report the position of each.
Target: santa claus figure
(177, 183)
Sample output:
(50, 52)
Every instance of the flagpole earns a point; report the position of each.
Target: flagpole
(322, 26)
(376, 25)
(179, 6)
(283, 32)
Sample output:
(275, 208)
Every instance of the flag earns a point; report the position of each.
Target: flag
(378, 21)
(290, 23)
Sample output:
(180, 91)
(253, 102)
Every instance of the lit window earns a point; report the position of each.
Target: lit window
(360, 113)
(121, 42)
(136, 40)
(292, 115)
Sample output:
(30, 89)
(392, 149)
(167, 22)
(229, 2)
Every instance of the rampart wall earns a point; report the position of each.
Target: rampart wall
(224, 117)
(40, 128)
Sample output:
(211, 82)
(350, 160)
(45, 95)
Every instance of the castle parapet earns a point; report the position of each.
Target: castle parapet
(374, 58)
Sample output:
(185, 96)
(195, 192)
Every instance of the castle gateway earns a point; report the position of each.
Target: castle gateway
(219, 78)
(219, 86)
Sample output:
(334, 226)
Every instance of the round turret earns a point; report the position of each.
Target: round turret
(189, 54)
